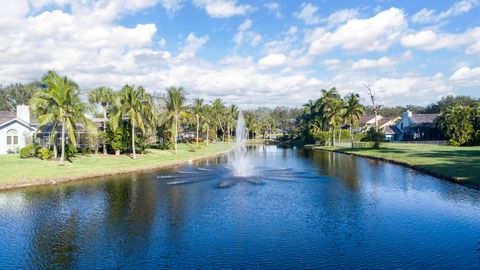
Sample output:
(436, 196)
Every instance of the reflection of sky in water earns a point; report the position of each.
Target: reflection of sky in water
(305, 210)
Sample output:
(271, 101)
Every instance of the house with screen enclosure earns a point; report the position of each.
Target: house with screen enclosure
(19, 128)
(418, 127)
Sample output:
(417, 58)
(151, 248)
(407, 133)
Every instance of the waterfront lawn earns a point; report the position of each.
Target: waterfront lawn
(462, 163)
(17, 171)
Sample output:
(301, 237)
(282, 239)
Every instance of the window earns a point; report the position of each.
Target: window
(12, 137)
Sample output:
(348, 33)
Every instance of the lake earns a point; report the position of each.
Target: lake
(298, 209)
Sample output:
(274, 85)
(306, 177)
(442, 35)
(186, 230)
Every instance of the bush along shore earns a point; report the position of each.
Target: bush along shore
(457, 164)
(16, 172)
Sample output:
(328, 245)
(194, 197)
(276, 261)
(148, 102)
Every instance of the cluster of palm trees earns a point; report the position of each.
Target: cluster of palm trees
(59, 106)
(330, 112)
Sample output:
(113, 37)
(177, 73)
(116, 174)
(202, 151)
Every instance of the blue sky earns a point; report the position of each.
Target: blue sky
(252, 53)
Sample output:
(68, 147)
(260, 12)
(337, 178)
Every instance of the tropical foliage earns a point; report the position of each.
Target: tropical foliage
(59, 105)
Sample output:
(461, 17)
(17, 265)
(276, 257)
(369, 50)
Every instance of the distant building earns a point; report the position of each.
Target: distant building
(367, 121)
(16, 129)
(418, 127)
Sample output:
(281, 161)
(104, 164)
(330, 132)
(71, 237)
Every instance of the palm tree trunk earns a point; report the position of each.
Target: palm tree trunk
(351, 131)
(62, 155)
(55, 150)
(176, 133)
(228, 132)
(104, 130)
(133, 142)
(198, 123)
(208, 129)
(333, 136)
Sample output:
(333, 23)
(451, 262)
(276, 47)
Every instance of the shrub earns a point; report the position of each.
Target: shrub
(45, 153)
(29, 151)
(70, 150)
(359, 136)
(377, 137)
(322, 137)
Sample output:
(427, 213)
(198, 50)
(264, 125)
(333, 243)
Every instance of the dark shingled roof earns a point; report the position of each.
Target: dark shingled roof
(392, 130)
(6, 116)
(422, 119)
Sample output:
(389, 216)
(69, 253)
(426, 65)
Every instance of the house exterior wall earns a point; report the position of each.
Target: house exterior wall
(25, 135)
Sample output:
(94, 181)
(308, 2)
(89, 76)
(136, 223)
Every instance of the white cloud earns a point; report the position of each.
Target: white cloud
(429, 40)
(272, 60)
(431, 16)
(307, 13)
(273, 8)
(373, 34)
(222, 8)
(466, 73)
(245, 35)
(341, 16)
(382, 62)
(172, 6)
(192, 45)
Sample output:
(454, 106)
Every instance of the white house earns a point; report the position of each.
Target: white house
(16, 129)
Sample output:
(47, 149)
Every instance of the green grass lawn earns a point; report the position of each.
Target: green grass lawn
(462, 163)
(17, 171)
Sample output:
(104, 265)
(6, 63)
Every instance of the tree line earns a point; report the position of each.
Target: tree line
(131, 117)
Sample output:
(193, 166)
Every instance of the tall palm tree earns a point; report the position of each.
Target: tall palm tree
(353, 110)
(175, 105)
(334, 115)
(197, 110)
(207, 120)
(59, 104)
(104, 97)
(330, 109)
(218, 112)
(231, 118)
(136, 106)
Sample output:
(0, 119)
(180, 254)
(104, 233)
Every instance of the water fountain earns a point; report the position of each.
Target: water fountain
(239, 159)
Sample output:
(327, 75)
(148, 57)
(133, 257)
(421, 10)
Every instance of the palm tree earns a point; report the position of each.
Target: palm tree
(334, 114)
(231, 118)
(207, 119)
(136, 106)
(104, 97)
(218, 111)
(353, 110)
(197, 110)
(59, 104)
(175, 105)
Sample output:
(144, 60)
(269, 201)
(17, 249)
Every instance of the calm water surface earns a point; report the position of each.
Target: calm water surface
(301, 210)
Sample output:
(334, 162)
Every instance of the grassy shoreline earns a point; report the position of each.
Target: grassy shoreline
(18, 173)
(457, 164)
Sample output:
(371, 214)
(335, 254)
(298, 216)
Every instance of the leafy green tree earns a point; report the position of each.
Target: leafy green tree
(104, 97)
(176, 109)
(353, 110)
(17, 94)
(456, 123)
(135, 106)
(59, 104)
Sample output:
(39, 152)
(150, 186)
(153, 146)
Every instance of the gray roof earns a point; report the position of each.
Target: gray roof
(419, 119)
(6, 116)
(387, 119)
(392, 130)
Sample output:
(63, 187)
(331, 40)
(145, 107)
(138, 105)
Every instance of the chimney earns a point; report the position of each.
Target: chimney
(407, 113)
(23, 113)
